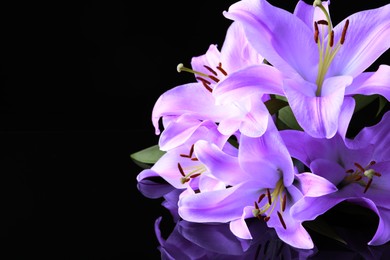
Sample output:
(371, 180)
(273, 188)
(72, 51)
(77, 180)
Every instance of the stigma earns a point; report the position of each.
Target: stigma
(206, 79)
(327, 48)
(269, 201)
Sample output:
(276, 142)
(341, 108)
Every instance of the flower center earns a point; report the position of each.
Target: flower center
(363, 176)
(192, 171)
(326, 49)
(203, 77)
(277, 196)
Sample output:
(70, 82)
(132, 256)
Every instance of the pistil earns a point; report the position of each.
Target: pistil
(201, 76)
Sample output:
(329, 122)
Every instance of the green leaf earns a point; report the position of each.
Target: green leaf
(274, 105)
(323, 228)
(287, 117)
(148, 155)
(363, 100)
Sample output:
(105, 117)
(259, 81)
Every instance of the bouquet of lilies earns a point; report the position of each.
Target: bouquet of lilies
(265, 129)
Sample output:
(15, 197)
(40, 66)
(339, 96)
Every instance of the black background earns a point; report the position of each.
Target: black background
(78, 83)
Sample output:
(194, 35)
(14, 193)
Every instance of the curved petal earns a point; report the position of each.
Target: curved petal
(382, 235)
(218, 206)
(266, 156)
(345, 116)
(313, 185)
(221, 165)
(239, 226)
(262, 79)
(295, 234)
(328, 170)
(308, 14)
(370, 83)
(236, 52)
(366, 40)
(279, 36)
(190, 98)
(211, 59)
(294, 140)
(318, 116)
(377, 135)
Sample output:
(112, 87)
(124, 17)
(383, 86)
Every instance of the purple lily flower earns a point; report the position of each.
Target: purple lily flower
(179, 166)
(259, 183)
(359, 168)
(323, 64)
(249, 115)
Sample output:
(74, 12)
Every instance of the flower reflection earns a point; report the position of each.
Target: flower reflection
(202, 241)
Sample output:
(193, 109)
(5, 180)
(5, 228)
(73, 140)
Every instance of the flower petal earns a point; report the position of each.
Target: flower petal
(317, 115)
(279, 36)
(313, 185)
(370, 83)
(366, 40)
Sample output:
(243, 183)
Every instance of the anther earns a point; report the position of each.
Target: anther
(316, 32)
(191, 150)
(322, 22)
(281, 220)
(266, 218)
(343, 34)
(194, 159)
(284, 202)
(349, 171)
(367, 185)
(359, 167)
(181, 169)
(203, 80)
(331, 39)
(195, 175)
(211, 70)
(269, 197)
(214, 78)
(261, 197)
(219, 67)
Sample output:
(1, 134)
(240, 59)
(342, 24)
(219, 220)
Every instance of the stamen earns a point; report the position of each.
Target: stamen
(331, 40)
(207, 87)
(269, 197)
(203, 80)
(211, 70)
(214, 78)
(316, 32)
(219, 67)
(349, 171)
(194, 159)
(195, 175)
(181, 169)
(192, 150)
(284, 202)
(322, 22)
(343, 34)
(281, 220)
(367, 185)
(266, 218)
(359, 167)
(261, 197)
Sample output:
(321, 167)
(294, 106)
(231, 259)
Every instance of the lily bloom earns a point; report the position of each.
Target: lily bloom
(359, 168)
(179, 166)
(260, 182)
(324, 65)
(249, 114)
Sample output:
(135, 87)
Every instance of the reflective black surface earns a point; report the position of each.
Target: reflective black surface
(78, 84)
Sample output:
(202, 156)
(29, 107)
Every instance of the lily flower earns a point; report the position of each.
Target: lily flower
(359, 168)
(179, 166)
(324, 65)
(260, 182)
(248, 115)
